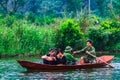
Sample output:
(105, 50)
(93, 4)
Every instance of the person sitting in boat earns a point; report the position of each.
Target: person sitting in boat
(87, 50)
(68, 54)
(49, 58)
(60, 58)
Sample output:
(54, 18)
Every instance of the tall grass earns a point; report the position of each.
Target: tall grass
(24, 38)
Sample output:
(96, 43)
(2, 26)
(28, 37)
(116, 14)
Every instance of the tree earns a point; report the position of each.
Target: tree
(72, 6)
(11, 6)
(116, 7)
(108, 8)
(102, 7)
(68, 34)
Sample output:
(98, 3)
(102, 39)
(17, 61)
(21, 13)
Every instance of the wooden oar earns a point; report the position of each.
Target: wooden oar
(100, 60)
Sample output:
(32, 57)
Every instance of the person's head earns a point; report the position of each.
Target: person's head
(89, 43)
(51, 51)
(68, 49)
(59, 53)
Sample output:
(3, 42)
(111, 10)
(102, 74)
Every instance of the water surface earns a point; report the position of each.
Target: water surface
(11, 70)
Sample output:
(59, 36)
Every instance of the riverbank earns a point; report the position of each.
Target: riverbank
(20, 56)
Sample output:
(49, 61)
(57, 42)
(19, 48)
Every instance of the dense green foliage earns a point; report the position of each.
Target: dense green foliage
(24, 38)
(69, 34)
(34, 26)
(39, 20)
(106, 36)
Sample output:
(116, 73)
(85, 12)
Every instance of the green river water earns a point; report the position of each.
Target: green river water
(11, 70)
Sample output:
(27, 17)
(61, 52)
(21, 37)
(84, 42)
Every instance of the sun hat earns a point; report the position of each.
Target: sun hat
(68, 49)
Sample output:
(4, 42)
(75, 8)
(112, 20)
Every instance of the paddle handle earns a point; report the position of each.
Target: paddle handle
(100, 60)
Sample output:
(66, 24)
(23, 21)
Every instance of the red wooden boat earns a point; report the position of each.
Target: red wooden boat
(43, 67)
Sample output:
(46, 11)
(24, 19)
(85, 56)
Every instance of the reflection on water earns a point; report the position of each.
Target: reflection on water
(91, 74)
(11, 70)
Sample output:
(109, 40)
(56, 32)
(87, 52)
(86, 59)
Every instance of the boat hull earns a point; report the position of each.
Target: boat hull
(43, 67)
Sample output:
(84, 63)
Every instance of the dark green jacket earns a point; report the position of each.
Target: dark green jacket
(91, 50)
(70, 58)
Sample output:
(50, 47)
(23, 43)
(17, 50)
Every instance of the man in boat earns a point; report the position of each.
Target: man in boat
(68, 53)
(88, 49)
(49, 58)
(60, 58)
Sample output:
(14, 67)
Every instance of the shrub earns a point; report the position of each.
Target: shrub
(106, 36)
(115, 24)
(114, 39)
(34, 40)
(24, 38)
(39, 20)
(7, 21)
(109, 24)
(100, 38)
(68, 34)
(6, 41)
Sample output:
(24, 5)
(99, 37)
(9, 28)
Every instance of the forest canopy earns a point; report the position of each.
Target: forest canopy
(60, 8)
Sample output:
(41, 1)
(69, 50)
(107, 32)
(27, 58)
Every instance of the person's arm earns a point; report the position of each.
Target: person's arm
(79, 51)
(48, 58)
(72, 58)
(44, 57)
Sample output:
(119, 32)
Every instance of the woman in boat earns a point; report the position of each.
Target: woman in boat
(68, 54)
(60, 58)
(89, 49)
(49, 58)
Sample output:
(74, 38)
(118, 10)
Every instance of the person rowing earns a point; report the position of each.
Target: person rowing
(86, 58)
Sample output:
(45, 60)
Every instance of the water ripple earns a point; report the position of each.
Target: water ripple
(11, 70)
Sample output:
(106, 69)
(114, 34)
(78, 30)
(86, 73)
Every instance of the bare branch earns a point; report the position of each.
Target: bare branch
(17, 3)
(15, 6)
(4, 5)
